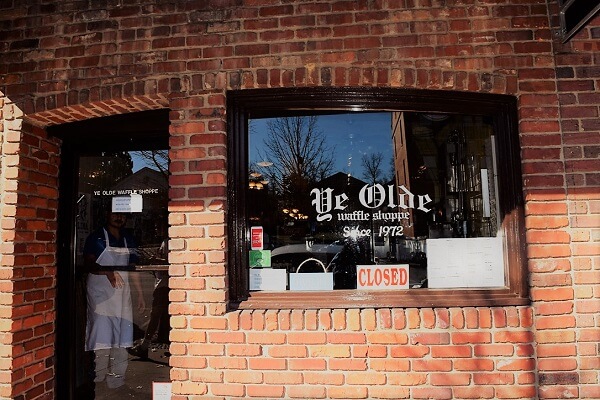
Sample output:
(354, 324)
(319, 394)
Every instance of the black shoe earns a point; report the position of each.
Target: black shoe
(139, 351)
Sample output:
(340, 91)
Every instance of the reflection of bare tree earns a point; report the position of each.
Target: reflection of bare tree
(371, 164)
(297, 150)
(372, 172)
(157, 158)
(295, 156)
(102, 172)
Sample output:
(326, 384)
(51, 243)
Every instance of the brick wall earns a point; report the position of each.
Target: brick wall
(9, 126)
(29, 203)
(578, 85)
(65, 61)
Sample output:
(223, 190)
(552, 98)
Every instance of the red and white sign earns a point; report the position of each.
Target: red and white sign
(381, 277)
(256, 238)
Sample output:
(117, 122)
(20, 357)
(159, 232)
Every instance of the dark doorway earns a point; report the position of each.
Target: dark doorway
(112, 296)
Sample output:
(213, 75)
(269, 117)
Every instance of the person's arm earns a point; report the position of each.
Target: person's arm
(115, 279)
(137, 283)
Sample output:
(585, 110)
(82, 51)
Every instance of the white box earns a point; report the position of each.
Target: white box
(311, 281)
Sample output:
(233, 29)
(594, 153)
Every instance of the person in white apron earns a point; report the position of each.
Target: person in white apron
(109, 328)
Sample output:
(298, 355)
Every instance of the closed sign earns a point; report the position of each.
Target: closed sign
(379, 277)
(256, 238)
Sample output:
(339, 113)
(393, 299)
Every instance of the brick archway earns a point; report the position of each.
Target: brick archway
(97, 109)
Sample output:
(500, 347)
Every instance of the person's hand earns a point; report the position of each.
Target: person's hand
(141, 302)
(115, 279)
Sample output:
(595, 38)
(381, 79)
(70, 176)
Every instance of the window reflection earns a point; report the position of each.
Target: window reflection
(121, 252)
(333, 192)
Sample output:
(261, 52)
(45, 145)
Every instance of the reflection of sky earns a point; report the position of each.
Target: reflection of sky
(351, 136)
(139, 161)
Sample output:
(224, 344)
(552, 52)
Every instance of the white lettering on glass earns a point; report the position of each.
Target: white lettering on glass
(370, 196)
(323, 203)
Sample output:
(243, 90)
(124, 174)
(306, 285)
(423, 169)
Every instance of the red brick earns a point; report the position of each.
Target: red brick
(248, 350)
(307, 338)
(265, 391)
(504, 350)
(527, 364)
(348, 338)
(493, 378)
(306, 392)
(474, 392)
(473, 365)
(450, 379)
(429, 393)
(397, 365)
(451, 351)
(430, 338)
(516, 392)
(407, 351)
(347, 392)
(228, 389)
(387, 338)
(307, 364)
(347, 364)
(471, 337)
(288, 351)
(513, 337)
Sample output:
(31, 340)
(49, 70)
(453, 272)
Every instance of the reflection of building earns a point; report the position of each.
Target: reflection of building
(348, 185)
(342, 183)
(401, 162)
(144, 179)
(150, 224)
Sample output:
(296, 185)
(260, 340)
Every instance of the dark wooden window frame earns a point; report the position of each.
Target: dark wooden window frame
(243, 105)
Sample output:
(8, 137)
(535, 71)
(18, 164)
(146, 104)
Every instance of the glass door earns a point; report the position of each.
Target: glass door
(119, 246)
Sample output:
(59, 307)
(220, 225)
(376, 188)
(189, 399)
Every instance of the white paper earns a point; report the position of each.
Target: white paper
(127, 204)
(268, 279)
(311, 281)
(161, 390)
(465, 263)
(485, 193)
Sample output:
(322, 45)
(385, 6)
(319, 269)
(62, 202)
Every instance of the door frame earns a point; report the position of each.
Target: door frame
(144, 130)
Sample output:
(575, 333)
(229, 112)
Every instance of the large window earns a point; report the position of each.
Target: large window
(374, 197)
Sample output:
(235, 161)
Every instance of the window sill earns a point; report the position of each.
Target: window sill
(382, 299)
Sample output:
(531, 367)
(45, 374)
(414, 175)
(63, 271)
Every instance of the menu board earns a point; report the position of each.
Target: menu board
(465, 263)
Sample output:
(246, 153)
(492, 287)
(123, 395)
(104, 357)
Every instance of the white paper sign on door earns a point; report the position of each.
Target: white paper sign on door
(128, 204)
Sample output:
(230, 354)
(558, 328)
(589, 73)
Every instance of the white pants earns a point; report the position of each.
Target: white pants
(111, 365)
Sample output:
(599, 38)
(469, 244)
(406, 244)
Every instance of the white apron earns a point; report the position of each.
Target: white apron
(110, 315)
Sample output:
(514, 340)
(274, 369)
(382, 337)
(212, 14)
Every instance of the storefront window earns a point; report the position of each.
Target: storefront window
(377, 203)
